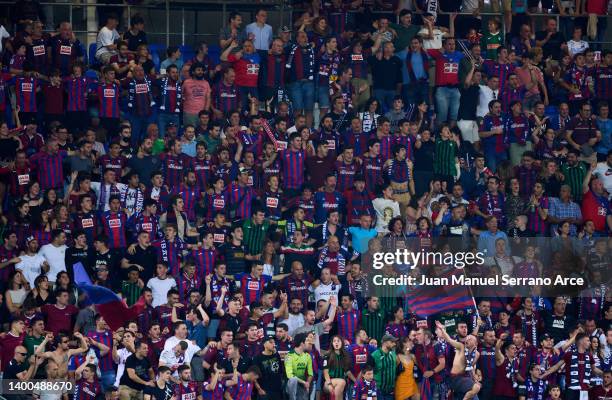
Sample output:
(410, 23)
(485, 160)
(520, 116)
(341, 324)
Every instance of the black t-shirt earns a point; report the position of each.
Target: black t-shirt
(423, 157)
(11, 370)
(271, 372)
(553, 46)
(234, 258)
(143, 167)
(145, 258)
(135, 40)
(141, 367)
(243, 365)
(386, 73)
(8, 149)
(468, 103)
(158, 393)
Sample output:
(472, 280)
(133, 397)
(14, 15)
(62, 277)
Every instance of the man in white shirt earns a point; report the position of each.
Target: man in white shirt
(107, 188)
(604, 172)
(106, 45)
(488, 92)
(259, 32)
(160, 285)
(54, 254)
(180, 335)
(32, 264)
(326, 287)
(386, 209)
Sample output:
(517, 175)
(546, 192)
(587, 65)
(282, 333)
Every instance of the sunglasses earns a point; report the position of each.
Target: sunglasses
(23, 354)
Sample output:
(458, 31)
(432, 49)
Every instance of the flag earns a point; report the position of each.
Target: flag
(112, 307)
(428, 300)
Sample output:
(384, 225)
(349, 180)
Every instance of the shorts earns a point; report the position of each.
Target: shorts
(323, 96)
(107, 380)
(469, 130)
(301, 94)
(461, 383)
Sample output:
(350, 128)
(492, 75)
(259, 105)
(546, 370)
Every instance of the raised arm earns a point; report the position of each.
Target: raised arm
(441, 329)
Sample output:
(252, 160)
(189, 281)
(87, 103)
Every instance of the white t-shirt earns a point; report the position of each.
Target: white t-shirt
(30, 266)
(436, 42)
(385, 211)
(55, 257)
(123, 354)
(105, 38)
(325, 291)
(293, 322)
(576, 47)
(605, 174)
(3, 35)
(192, 348)
(486, 94)
(160, 288)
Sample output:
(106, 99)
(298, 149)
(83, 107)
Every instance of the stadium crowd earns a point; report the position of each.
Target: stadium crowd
(239, 221)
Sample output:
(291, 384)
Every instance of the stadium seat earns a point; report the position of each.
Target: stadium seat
(214, 52)
(187, 52)
(155, 50)
(92, 54)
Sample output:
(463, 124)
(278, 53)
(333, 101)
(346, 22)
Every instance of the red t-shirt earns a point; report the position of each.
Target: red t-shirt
(58, 320)
(247, 71)
(595, 209)
(54, 99)
(8, 343)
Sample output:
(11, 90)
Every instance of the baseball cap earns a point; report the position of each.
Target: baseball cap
(545, 336)
(388, 338)
(170, 124)
(30, 239)
(284, 29)
(243, 170)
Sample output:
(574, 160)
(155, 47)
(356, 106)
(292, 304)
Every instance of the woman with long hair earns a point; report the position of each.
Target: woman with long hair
(270, 258)
(552, 178)
(20, 220)
(17, 290)
(369, 117)
(515, 205)
(397, 326)
(33, 196)
(41, 292)
(405, 385)
(41, 227)
(422, 116)
(63, 281)
(336, 365)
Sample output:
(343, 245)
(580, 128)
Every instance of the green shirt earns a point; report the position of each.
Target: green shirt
(444, 157)
(337, 372)
(131, 292)
(404, 35)
(374, 323)
(158, 147)
(254, 235)
(489, 44)
(211, 143)
(385, 365)
(298, 365)
(574, 177)
(31, 343)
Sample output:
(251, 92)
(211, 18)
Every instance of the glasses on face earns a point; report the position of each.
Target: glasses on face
(65, 341)
(23, 354)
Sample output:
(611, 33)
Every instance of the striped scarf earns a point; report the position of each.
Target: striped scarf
(164, 95)
(574, 371)
(132, 92)
(104, 200)
(310, 59)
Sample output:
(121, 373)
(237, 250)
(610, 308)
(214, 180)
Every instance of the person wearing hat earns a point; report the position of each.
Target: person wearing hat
(284, 34)
(270, 365)
(385, 363)
(241, 196)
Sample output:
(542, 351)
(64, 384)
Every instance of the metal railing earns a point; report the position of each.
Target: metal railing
(177, 17)
(190, 17)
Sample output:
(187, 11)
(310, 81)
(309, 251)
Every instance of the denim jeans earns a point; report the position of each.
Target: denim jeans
(164, 119)
(447, 103)
(415, 92)
(244, 96)
(139, 127)
(302, 95)
(492, 158)
(385, 97)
